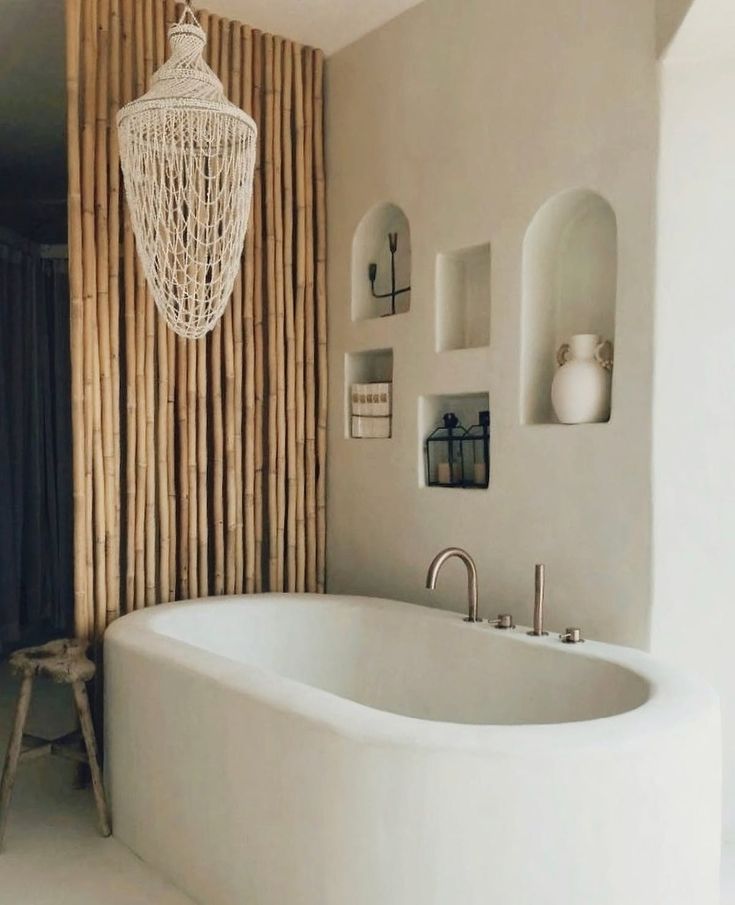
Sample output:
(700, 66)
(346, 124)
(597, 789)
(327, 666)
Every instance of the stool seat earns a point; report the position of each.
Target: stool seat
(64, 661)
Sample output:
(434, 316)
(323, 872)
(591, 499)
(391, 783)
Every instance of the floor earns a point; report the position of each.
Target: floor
(53, 854)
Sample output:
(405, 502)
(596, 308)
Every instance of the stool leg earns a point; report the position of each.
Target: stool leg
(85, 720)
(13, 753)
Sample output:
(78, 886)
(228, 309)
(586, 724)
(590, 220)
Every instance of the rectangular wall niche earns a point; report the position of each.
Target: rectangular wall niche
(466, 406)
(371, 366)
(463, 299)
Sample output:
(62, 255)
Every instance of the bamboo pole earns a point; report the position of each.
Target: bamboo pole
(149, 38)
(234, 370)
(202, 489)
(186, 358)
(151, 584)
(249, 346)
(129, 322)
(290, 333)
(99, 280)
(202, 534)
(182, 436)
(228, 79)
(114, 288)
(173, 566)
(92, 396)
(82, 625)
(107, 605)
(280, 317)
(309, 321)
(175, 392)
(159, 35)
(171, 465)
(270, 270)
(88, 259)
(187, 353)
(258, 311)
(151, 563)
(321, 315)
(212, 29)
(192, 428)
(218, 534)
(299, 316)
(162, 391)
(140, 386)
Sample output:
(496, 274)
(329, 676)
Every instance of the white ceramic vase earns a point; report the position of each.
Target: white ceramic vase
(580, 392)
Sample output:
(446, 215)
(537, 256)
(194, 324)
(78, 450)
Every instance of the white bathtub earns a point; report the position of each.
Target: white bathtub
(298, 750)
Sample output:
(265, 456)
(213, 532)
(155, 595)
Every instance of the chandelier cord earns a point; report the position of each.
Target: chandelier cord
(188, 11)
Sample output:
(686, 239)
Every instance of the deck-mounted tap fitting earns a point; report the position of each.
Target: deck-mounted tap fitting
(503, 621)
(438, 562)
(572, 636)
(538, 601)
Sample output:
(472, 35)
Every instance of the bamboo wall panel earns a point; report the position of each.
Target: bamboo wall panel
(199, 466)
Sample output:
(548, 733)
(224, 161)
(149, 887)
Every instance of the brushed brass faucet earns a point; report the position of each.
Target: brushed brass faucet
(433, 573)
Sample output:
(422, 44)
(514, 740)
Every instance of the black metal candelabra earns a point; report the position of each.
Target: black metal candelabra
(373, 273)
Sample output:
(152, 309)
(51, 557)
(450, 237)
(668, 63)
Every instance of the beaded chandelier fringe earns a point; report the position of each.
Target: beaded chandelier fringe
(188, 158)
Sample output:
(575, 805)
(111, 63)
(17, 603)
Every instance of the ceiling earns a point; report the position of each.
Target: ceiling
(329, 24)
(707, 32)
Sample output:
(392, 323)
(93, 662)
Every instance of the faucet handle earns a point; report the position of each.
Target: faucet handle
(572, 636)
(504, 621)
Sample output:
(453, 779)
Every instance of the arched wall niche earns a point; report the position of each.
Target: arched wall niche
(570, 275)
(370, 246)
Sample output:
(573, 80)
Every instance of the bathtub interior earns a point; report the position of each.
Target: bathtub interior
(395, 658)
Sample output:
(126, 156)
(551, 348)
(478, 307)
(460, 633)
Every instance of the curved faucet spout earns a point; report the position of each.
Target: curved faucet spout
(438, 562)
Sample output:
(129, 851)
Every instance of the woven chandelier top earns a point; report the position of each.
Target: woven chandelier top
(188, 157)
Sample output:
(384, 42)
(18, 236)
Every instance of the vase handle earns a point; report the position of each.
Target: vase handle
(604, 354)
(562, 354)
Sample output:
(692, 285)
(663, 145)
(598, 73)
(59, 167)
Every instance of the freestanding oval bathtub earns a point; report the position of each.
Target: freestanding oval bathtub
(304, 750)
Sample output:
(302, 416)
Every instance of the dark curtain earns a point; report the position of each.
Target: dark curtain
(36, 590)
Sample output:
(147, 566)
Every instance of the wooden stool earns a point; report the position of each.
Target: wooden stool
(66, 663)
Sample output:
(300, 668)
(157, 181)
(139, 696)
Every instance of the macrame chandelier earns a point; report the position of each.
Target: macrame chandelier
(188, 157)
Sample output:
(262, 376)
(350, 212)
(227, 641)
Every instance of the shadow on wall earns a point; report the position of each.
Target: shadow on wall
(669, 16)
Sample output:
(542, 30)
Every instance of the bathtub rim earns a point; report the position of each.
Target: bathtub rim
(675, 696)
